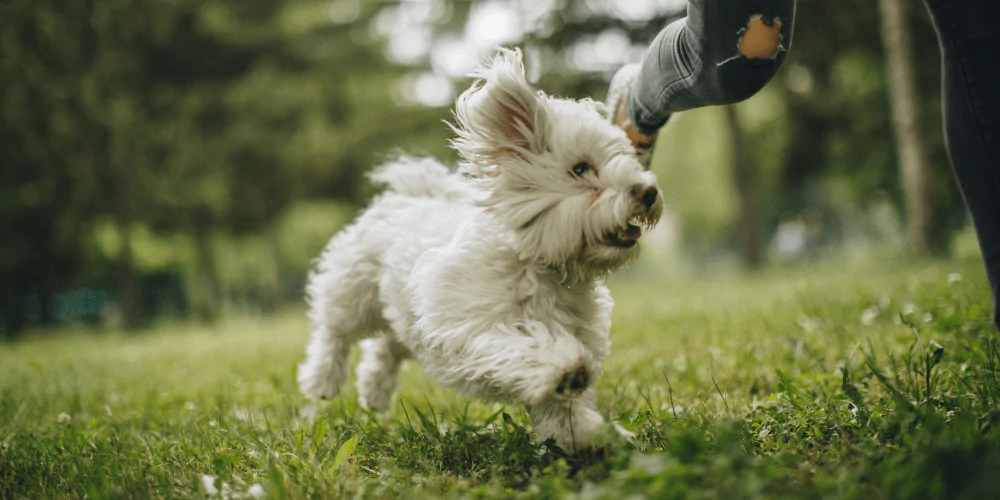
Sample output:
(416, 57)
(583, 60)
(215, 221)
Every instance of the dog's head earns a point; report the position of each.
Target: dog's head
(560, 176)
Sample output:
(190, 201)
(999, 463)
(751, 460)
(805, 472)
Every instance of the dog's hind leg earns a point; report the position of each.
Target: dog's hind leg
(344, 309)
(378, 371)
(324, 372)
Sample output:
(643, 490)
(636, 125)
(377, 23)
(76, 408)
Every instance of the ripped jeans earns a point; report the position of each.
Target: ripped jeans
(689, 65)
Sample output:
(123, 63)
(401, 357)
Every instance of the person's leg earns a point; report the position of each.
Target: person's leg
(970, 47)
(723, 52)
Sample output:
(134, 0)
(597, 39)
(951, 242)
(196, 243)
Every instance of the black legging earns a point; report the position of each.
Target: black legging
(969, 34)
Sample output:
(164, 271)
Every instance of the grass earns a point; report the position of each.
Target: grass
(840, 382)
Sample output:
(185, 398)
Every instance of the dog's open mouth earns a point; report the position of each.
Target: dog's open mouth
(623, 238)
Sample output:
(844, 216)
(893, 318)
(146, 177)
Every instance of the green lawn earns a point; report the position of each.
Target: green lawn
(845, 382)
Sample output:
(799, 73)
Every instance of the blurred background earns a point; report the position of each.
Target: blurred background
(188, 159)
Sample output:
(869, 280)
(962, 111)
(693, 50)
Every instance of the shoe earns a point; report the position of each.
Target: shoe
(617, 102)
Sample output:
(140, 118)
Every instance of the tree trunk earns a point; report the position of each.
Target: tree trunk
(913, 158)
(128, 286)
(744, 172)
(208, 282)
(122, 160)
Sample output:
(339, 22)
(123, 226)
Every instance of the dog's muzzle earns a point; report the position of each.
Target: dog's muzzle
(645, 195)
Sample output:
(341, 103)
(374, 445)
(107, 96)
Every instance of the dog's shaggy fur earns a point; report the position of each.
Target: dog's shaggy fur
(491, 279)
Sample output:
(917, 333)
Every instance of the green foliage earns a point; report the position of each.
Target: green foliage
(125, 123)
(303, 232)
(163, 142)
(850, 382)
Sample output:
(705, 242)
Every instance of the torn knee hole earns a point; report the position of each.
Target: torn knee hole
(761, 39)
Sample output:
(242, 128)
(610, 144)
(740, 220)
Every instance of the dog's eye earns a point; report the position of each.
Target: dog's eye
(579, 169)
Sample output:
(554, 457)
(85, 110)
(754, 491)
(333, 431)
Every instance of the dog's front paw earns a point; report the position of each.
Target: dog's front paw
(573, 427)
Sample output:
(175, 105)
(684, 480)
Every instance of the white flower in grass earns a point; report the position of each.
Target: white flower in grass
(225, 492)
(257, 491)
(764, 433)
(909, 308)
(189, 406)
(884, 301)
(489, 429)
(808, 324)
(675, 409)
(868, 315)
(928, 318)
(209, 483)
(64, 418)
(954, 278)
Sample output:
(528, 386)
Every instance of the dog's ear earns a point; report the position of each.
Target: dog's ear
(499, 116)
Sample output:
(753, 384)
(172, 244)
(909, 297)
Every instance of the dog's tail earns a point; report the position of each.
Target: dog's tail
(419, 178)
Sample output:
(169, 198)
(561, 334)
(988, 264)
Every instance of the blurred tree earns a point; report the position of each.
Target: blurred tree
(744, 172)
(841, 150)
(200, 125)
(913, 158)
(201, 118)
(105, 68)
(49, 183)
(313, 113)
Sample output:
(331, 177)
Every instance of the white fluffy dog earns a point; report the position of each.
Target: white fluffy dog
(492, 280)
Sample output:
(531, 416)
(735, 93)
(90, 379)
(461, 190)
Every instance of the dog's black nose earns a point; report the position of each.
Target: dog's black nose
(646, 195)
